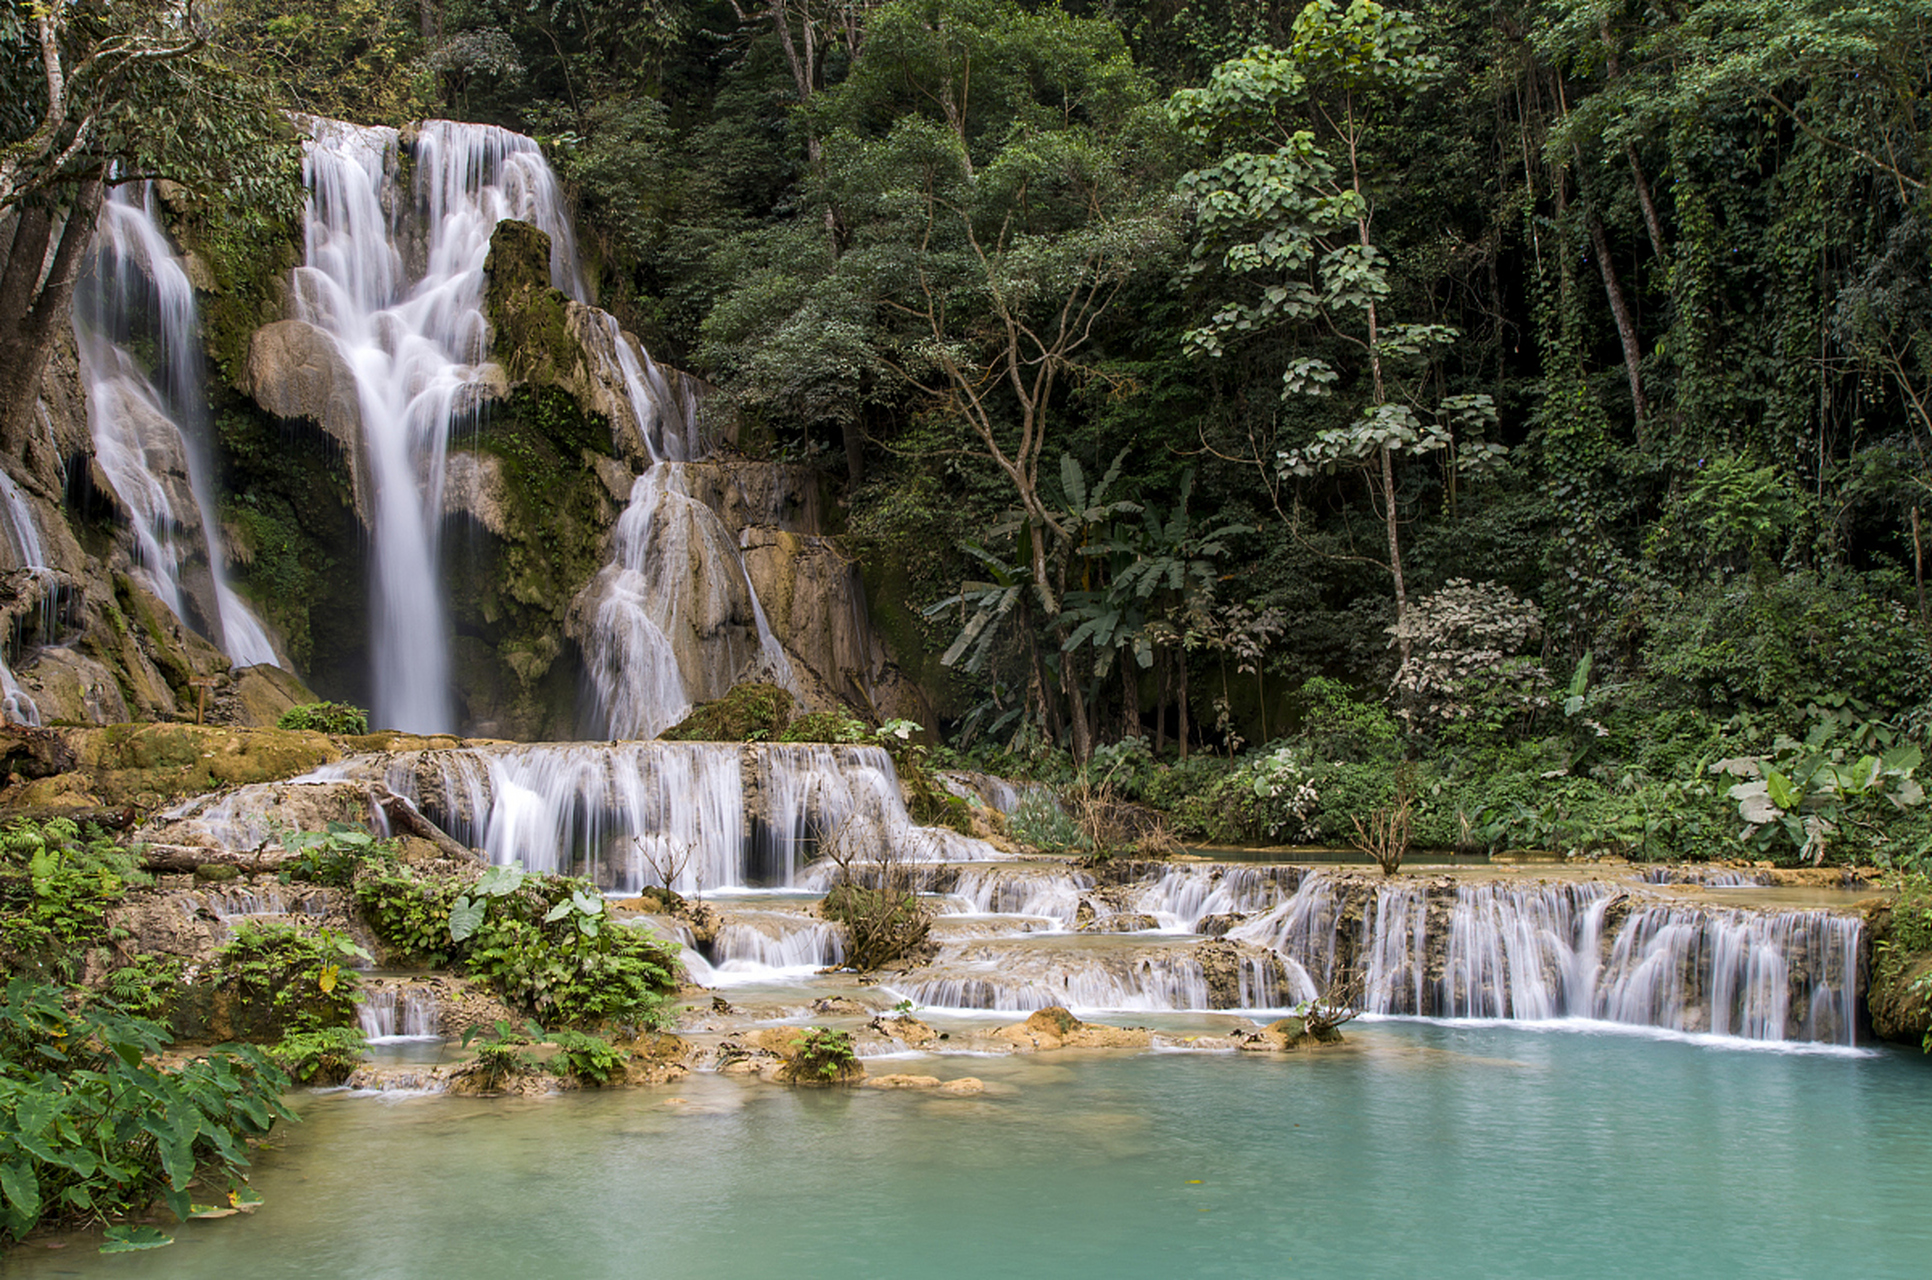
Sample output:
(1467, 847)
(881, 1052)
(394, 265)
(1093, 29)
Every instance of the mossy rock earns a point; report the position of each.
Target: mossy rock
(148, 763)
(528, 316)
(748, 713)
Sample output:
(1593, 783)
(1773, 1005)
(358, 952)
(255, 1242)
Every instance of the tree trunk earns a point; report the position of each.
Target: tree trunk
(1180, 666)
(1395, 550)
(1918, 568)
(1130, 697)
(33, 310)
(1161, 684)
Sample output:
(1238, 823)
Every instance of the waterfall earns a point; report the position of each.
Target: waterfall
(134, 307)
(388, 1015)
(1019, 978)
(1533, 952)
(415, 350)
(759, 946)
(707, 815)
(23, 539)
(669, 608)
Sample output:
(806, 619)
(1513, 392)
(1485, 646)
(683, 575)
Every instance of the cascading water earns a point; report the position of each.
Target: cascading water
(415, 350)
(668, 628)
(149, 437)
(23, 540)
(673, 618)
(704, 815)
(388, 1015)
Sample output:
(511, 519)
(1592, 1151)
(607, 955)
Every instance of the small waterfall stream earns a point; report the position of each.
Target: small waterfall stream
(150, 427)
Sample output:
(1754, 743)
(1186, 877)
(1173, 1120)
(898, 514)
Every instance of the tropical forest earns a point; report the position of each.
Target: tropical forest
(964, 637)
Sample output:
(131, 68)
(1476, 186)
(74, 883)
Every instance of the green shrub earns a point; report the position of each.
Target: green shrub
(747, 713)
(588, 1058)
(147, 986)
(410, 912)
(826, 726)
(1040, 821)
(325, 717)
(543, 942)
(322, 1057)
(56, 886)
(92, 1127)
(287, 979)
(333, 856)
(821, 1053)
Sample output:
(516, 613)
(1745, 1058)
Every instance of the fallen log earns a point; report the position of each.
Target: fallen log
(190, 858)
(406, 819)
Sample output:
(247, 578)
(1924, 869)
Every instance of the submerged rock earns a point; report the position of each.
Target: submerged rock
(1056, 1028)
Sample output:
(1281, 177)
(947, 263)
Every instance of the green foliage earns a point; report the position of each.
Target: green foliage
(826, 726)
(147, 986)
(332, 856)
(748, 713)
(324, 1056)
(591, 1059)
(92, 1128)
(410, 912)
(504, 1053)
(56, 886)
(822, 1053)
(1041, 821)
(544, 943)
(325, 717)
(288, 978)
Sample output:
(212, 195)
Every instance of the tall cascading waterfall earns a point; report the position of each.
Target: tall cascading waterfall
(666, 613)
(150, 437)
(416, 349)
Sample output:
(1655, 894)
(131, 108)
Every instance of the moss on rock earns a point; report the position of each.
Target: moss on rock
(528, 316)
(748, 713)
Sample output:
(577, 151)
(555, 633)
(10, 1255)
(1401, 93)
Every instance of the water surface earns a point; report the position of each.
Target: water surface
(1418, 1150)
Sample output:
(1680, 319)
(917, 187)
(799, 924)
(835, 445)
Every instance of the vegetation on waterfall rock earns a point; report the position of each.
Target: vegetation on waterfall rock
(325, 717)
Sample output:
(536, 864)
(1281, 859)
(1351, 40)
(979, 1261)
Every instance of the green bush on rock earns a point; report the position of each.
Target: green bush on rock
(325, 717)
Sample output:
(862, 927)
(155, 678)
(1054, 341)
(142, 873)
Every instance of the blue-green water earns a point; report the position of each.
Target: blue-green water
(1417, 1150)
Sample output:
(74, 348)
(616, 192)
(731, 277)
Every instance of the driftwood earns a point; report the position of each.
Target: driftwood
(188, 858)
(406, 819)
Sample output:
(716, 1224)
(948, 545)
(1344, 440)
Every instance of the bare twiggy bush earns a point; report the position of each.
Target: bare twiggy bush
(1385, 836)
(667, 860)
(1340, 1003)
(874, 900)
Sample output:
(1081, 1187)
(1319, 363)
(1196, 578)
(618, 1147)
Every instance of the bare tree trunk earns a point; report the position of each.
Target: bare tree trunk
(1652, 222)
(1161, 684)
(1620, 310)
(1918, 568)
(1129, 698)
(1180, 666)
(33, 310)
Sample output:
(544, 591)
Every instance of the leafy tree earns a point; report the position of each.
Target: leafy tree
(1292, 226)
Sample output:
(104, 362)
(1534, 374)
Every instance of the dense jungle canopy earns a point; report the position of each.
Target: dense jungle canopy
(1537, 391)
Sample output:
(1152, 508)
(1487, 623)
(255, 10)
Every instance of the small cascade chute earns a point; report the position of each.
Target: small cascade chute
(389, 1015)
(150, 436)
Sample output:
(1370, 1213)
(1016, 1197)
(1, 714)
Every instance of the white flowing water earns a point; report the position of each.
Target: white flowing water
(702, 816)
(1534, 952)
(415, 349)
(671, 608)
(151, 438)
(23, 539)
(388, 1015)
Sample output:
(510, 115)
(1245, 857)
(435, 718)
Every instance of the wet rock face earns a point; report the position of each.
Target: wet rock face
(1286, 1035)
